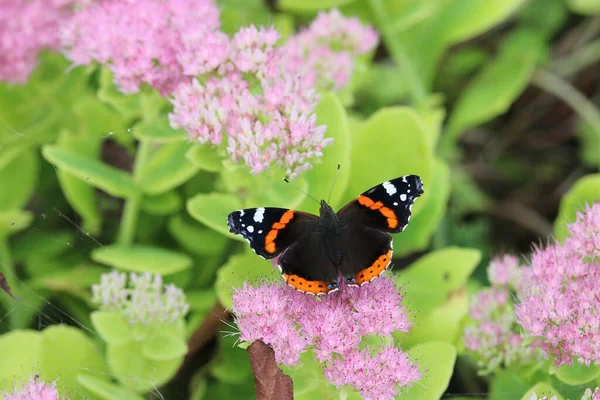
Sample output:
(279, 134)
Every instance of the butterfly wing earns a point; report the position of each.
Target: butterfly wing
(268, 230)
(291, 239)
(366, 221)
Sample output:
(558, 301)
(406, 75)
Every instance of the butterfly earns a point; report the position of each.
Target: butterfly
(312, 252)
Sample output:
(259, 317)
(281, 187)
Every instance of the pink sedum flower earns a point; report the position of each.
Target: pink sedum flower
(147, 41)
(26, 28)
(35, 389)
(332, 327)
(494, 338)
(560, 295)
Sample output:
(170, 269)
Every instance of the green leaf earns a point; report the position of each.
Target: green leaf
(212, 210)
(13, 221)
(332, 114)
(19, 179)
(206, 157)
(442, 324)
(422, 226)
(112, 180)
(437, 358)
(507, 385)
(167, 169)
(158, 131)
(105, 390)
(589, 144)
(162, 347)
(140, 258)
(196, 238)
(432, 278)
(24, 346)
(246, 267)
(163, 204)
(80, 195)
(310, 5)
(127, 105)
(112, 326)
(395, 140)
(65, 352)
(577, 374)
(542, 389)
(137, 372)
(232, 364)
(585, 7)
(41, 244)
(491, 92)
(586, 191)
(473, 17)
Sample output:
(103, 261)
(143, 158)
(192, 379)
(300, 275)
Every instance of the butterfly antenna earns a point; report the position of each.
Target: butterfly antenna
(334, 180)
(300, 190)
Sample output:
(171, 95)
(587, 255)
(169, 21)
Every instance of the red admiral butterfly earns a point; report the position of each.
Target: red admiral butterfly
(314, 251)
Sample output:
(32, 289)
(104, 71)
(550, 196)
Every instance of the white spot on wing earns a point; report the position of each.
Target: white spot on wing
(260, 231)
(250, 228)
(241, 213)
(395, 203)
(402, 197)
(259, 215)
(389, 188)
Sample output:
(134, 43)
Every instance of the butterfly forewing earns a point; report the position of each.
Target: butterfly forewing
(268, 230)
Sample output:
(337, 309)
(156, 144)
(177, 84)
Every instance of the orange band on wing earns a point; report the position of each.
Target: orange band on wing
(388, 213)
(303, 285)
(373, 271)
(270, 246)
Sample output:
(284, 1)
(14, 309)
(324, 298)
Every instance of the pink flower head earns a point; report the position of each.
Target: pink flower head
(26, 28)
(333, 327)
(560, 295)
(585, 232)
(376, 376)
(589, 395)
(504, 271)
(148, 41)
(35, 389)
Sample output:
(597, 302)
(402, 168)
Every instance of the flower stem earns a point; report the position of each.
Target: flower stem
(131, 210)
(405, 67)
(562, 89)
(578, 60)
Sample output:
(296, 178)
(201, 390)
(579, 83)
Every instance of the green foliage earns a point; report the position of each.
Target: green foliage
(437, 363)
(584, 192)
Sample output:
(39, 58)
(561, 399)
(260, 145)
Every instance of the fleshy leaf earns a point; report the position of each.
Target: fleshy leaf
(13, 221)
(24, 345)
(212, 210)
(162, 347)
(66, 351)
(434, 276)
(158, 131)
(330, 112)
(392, 143)
(112, 180)
(585, 7)
(105, 390)
(577, 374)
(19, 179)
(111, 326)
(136, 372)
(310, 5)
(246, 267)
(206, 157)
(586, 191)
(140, 258)
(196, 238)
(163, 204)
(438, 359)
(167, 169)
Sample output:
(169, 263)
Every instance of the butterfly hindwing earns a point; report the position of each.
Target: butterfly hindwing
(268, 230)
(387, 206)
(306, 266)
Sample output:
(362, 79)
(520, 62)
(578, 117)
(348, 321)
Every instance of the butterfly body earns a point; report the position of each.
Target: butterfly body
(313, 252)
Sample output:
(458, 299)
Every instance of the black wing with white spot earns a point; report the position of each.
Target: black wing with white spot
(270, 231)
(386, 207)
